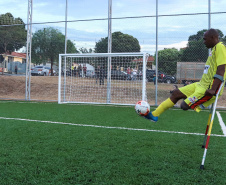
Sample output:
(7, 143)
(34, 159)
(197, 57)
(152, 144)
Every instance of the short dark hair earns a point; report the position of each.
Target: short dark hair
(213, 32)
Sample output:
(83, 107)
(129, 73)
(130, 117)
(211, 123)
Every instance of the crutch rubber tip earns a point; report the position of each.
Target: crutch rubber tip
(202, 167)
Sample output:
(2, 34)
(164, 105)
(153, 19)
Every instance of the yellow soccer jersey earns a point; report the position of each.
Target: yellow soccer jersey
(216, 58)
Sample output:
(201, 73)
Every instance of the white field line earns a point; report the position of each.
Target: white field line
(223, 127)
(108, 127)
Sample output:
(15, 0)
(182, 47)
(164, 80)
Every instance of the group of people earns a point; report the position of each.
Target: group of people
(133, 73)
(160, 75)
(200, 94)
(79, 71)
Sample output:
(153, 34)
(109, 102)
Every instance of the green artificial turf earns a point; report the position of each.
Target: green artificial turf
(126, 149)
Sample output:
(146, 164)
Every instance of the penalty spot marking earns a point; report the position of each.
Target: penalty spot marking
(108, 127)
(223, 127)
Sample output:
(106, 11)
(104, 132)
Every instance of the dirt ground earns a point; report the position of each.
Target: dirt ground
(45, 88)
(42, 88)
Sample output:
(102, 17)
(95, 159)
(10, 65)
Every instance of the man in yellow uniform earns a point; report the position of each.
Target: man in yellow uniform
(200, 94)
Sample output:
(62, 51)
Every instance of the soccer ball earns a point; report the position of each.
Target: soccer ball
(142, 108)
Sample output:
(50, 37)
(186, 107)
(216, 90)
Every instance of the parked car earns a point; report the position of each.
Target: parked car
(41, 71)
(162, 77)
(120, 75)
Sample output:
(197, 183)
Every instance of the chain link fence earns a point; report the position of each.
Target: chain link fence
(176, 35)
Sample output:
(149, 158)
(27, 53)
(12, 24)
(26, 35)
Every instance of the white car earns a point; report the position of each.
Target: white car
(41, 71)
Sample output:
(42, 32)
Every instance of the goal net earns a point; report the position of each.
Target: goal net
(102, 78)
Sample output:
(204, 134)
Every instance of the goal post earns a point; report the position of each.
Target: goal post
(102, 78)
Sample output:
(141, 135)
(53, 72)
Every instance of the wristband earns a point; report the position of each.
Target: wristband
(219, 77)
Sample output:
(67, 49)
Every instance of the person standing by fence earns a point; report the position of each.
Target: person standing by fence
(16, 69)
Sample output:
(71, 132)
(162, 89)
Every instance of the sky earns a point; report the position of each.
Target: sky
(173, 30)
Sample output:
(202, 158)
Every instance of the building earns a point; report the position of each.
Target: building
(10, 60)
(150, 61)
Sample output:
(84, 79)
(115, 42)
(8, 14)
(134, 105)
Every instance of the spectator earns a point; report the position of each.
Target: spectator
(134, 75)
(97, 73)
(84, 70)
(154, 79)
(15, 69)
(79, 70)
(128, 70)
(102, 75)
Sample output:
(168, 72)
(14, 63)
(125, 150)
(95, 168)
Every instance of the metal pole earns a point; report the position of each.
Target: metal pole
(65, 51)
(109, 51)
(207, 127)
(209, 14)
(109, 26)
(209, 18)
(210, 127)
(28, 54)
(156, 58)
(59, 81)
(144, 93)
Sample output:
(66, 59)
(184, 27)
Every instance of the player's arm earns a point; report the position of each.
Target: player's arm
(218, 79)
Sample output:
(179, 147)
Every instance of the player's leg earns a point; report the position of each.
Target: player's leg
(170, 102)
(184, 106)
(197, 100)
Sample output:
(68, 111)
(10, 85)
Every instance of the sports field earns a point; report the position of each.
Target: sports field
(47, 143)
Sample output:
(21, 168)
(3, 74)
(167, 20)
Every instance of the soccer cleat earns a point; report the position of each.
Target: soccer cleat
(151, 117)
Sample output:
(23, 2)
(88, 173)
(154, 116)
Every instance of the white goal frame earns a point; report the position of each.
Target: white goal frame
(62, 78)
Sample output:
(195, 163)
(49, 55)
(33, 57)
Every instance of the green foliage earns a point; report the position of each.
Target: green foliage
(168, 59)
(85, 50)
(196, 50)
(120, 43)
(47, 44)
(224, 40)
(199, 35)
(11, 37)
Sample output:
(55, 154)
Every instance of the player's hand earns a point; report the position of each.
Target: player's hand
(210, 92)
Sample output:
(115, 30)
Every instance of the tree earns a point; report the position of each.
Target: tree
(196, 51)
(120, 43)
(87, 60)
(199, 35)
(12, 34)
(84, 50)
(47, 44)
(167, 60)
(224, 40)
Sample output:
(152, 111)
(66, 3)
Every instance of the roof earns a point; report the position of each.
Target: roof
(15, 54)
(150, 59)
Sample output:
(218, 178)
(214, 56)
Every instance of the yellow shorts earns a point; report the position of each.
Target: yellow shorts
(196, 96)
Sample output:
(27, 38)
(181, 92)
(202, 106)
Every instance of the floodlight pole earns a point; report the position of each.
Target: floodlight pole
(156, 57)
(109, 51)
(28, 54)
(65, 52)
(65, 47)
(209, 18)
(209, 14)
